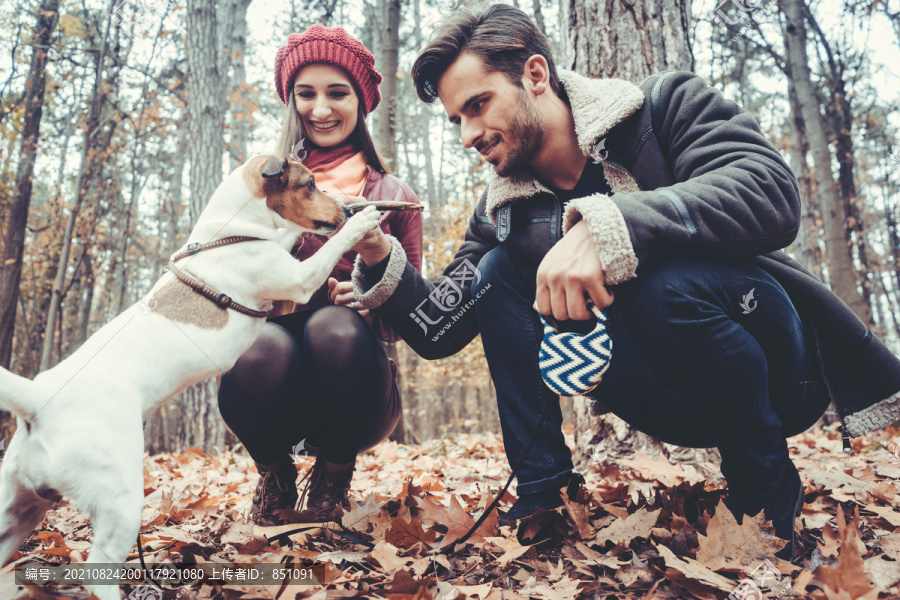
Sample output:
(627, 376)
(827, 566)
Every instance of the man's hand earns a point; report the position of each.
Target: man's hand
(569, 270)
(341, 293)
(374, 247)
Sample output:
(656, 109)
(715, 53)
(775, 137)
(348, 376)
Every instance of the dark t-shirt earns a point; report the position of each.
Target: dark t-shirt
(592, 181)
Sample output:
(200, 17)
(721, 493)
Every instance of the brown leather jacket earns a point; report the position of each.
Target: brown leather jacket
(406, 226)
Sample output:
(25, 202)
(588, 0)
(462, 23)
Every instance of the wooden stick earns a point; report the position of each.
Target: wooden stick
(384, 205)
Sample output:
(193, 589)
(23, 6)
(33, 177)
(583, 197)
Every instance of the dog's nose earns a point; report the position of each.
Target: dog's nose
(347, 211)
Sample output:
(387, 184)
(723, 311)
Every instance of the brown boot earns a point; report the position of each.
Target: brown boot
(328, 488)
(276, 490)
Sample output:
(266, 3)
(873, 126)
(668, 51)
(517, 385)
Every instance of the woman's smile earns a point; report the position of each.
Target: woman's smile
(324, 125)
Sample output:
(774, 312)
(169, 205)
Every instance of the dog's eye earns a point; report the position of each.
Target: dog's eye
(311, 184)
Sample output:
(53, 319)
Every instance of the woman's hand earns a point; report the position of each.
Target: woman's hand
(374, 247)
(341, 293)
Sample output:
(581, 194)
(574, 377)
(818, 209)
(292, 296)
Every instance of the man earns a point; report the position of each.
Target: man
(665, 205)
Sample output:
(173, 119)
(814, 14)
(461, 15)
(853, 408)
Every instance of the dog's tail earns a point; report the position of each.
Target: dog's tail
(18, 395)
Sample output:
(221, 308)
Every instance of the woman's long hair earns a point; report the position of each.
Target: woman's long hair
(292, 131)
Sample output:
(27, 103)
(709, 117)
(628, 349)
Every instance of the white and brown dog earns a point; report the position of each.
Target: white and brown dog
(79, 429)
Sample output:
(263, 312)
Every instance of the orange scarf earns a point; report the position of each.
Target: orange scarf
(338, 172)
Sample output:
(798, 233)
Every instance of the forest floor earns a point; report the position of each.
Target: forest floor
(642, 528)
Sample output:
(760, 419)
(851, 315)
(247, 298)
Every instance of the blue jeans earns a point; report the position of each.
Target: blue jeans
(690, 366)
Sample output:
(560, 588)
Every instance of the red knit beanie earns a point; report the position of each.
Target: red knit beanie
(332, 45)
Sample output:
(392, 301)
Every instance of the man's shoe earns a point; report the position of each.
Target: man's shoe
(276, 490)
(329, 491)
(528, 504)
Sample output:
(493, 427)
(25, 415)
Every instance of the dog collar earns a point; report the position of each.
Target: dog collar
(199, 286)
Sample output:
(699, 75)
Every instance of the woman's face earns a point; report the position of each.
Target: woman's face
(326, 103)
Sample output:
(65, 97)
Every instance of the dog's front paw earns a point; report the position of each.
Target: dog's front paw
(360, 224)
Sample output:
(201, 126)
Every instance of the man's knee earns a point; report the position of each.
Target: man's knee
(500, 268)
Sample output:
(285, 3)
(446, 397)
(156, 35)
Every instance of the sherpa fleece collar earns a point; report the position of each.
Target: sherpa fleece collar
(597, 106)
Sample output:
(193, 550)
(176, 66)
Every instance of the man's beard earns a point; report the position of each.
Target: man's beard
(525, 135)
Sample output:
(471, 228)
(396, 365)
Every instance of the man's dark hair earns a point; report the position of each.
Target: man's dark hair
(502, 36)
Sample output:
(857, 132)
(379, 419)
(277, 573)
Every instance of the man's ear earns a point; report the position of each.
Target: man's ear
(536, 74)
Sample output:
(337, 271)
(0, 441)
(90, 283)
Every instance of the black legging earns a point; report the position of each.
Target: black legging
(320, 376)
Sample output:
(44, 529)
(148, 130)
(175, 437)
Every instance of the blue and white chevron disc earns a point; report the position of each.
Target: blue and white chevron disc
(573, 364)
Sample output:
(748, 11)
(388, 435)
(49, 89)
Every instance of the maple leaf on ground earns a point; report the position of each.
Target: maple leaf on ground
(491, 525)
(636, 525)
(404, 587)
(388, 556)
(891, 545)
(448, 591)
(565, 589)
(406, 531)
(660, 470)
(728, 546)
(829, 545)
(359, 516)
(510, 547)
(579, 513)
(458, 523)
(848, 574)
(693, 576)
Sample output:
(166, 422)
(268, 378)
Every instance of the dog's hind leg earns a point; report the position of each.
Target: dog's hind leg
(117, 500)
(21, 509)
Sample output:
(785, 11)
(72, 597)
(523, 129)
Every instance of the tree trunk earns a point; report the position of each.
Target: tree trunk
(388, 49)
(840, 114)
(538, 16)
(807, 244)
(608, 38)
(841, 273)
(241, 104)
(198, 423)
(633, 40)
(14, 238)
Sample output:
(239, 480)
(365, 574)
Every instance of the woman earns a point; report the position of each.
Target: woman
(318, 380)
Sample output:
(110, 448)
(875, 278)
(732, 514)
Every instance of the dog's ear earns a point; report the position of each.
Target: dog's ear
(274, 167)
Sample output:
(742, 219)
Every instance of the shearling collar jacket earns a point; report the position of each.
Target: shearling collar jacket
(690, 172)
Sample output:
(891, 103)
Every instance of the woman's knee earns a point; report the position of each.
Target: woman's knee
(336, 325)
(263, 366)
(338, 338)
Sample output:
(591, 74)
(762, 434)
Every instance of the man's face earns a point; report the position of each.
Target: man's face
(495, 117)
